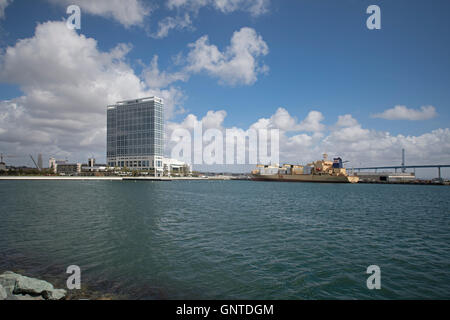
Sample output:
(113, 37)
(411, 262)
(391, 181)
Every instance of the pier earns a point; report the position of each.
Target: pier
(403, 168)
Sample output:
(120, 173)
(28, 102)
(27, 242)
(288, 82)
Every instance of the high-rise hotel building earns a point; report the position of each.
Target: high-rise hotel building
(135, 135)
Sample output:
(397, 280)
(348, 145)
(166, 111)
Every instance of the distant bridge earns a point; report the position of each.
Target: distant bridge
(403, 168)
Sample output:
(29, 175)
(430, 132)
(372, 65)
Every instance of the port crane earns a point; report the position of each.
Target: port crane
(35, 163)
(3, 156)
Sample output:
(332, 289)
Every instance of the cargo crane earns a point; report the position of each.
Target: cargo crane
(35, 163)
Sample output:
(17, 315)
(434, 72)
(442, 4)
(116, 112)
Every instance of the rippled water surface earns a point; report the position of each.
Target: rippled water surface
(230, 239)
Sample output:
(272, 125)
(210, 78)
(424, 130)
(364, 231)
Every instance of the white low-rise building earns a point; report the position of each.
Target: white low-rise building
(174, 167)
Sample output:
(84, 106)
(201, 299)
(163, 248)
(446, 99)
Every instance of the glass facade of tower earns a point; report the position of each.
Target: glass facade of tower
(135, 134)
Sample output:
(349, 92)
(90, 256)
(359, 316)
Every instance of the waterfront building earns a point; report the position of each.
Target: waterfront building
(53, 164)
(174, 167)
(135, 135)
(92, 166)
(68, 168)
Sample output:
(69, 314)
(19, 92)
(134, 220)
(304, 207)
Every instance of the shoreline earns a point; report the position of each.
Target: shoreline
(113, 178)
(166, 179)
(59, 178)
(24, 286)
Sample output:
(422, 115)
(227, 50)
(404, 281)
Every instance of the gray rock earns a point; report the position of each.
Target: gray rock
(8, 281)
(55, 294)
(8, 284)
(10, 275)
(25, 285)
(3, 294)
(19, 287)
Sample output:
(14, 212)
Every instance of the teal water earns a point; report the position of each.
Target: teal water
(230, 239)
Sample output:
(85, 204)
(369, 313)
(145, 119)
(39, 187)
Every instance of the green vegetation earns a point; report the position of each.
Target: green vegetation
(27, 172)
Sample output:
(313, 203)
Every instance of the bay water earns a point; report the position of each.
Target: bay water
(230, 239)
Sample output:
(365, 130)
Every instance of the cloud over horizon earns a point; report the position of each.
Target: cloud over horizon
(306, 140)
(404, 113)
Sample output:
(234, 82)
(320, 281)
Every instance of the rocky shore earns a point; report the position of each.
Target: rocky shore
(14, 286)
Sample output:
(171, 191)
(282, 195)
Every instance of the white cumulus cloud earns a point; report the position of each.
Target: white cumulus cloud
(282, 120)
(404, 113)
(347, 139)
(170, 23)
(161, 79)
(366, 147)
(237, 64)
(191, 9)
(346, 121)
(254, 7)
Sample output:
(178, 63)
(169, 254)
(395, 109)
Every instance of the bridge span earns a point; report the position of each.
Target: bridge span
(403, 168)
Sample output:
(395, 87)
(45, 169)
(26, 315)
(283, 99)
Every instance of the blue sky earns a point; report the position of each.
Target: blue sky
(321, 56)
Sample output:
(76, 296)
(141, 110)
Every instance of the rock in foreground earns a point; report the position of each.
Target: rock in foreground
(3, 294)
(14, 286)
